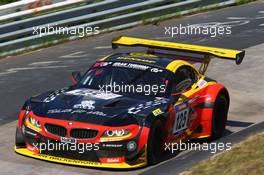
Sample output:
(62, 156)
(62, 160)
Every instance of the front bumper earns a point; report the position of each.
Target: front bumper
(111, 154)
(140, 162)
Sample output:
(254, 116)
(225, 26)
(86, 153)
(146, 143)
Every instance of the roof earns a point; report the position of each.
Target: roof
(170, 64)
(139, 58)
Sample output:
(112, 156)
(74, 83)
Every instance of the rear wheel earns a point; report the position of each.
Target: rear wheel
(155, 143)
(219, 118)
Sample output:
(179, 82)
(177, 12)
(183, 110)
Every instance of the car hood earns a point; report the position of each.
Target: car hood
(93, 106)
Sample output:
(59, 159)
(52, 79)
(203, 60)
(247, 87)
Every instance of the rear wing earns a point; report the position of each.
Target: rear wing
(207, 52)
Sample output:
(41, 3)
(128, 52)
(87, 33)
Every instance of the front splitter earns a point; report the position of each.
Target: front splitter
(141, 162)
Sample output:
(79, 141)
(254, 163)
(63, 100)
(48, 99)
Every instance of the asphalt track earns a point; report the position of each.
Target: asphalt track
(32, 73)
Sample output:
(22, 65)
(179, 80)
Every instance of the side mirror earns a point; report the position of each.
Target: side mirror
(76, 77)
(182, 86)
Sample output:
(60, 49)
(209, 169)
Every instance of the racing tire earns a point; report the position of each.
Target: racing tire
(155, 143)
(219, 117)
(19, 138)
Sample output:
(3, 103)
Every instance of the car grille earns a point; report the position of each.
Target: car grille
(83, 133)
(56, 130)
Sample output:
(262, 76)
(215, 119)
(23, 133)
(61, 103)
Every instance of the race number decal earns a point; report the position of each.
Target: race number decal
(181, 118)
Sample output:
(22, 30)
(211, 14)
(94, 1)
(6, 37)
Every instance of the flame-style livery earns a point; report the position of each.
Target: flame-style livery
(127, 129)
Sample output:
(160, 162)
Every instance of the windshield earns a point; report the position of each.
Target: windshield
(127, 78)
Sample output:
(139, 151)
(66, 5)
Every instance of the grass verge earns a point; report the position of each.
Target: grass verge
(245, 158)
(2, 2)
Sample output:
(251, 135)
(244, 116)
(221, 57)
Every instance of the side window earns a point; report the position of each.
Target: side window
(190, 72)
(184, 78)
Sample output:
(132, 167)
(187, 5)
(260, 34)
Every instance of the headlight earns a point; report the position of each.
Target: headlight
(34, 122)
(116, 133)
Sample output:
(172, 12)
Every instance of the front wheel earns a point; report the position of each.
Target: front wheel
(19, 140)
(219, 118)
(155, 143)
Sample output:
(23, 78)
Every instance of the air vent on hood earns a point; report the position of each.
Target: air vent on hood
(113, 103)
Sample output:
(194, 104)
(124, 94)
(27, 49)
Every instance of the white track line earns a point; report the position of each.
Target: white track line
(15, 70)
(43, 63)
(103, 47)
(236, 18)
(75, 55)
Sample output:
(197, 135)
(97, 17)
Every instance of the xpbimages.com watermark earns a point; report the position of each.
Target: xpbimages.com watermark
(212, 147)
(131, 89)
(198, 29)
(60, 146)
(59, 30)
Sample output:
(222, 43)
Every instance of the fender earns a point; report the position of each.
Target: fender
(214, 89)
(206, 109)
(163, 114)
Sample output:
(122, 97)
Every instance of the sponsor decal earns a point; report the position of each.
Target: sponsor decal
(131, 66)
(182, 106)
(87, 104)
(156, 70)
(201, 83)
(68, 140)
(81, 111)
(54, 111)
(114, 160)
(75, 111)
(149, 104)
(110, 145)
(93, 93)
(54, 94)
(102, 64)
(157, 112)
(182, 118)
(136, 59)
(70, 161)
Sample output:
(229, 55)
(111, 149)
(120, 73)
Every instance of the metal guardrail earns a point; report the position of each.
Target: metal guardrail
(23, 5)
(71, 16)
(30, 7)
(107, 15)
(15, 6)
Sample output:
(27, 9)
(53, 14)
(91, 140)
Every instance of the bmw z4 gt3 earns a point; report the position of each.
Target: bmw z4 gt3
(123, 110)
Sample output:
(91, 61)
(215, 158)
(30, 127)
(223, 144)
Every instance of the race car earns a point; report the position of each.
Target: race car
(127, 106)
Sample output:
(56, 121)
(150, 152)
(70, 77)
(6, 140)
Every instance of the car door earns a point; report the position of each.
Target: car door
(184, 79)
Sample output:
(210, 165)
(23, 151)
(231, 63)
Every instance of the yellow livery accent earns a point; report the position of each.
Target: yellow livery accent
(235, 55)
(136, 59)
(137, 54)
(105, 57)
(174, 65)
(200, 137)
(26, 152)
(193, 90)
